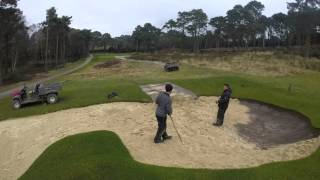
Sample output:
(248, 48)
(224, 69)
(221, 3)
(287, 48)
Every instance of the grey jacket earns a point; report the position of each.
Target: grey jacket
(164, 105)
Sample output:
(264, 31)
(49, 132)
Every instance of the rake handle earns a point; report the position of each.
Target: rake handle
(174, 126)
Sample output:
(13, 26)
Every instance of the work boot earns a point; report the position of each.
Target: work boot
(158, 141)
(217, 124)
(167, 138)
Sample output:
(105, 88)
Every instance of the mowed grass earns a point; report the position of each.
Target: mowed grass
(79, 94)
(102, 155)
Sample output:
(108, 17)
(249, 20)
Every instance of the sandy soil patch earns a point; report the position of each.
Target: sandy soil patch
(23, 140)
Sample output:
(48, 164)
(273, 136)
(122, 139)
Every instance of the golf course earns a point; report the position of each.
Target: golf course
(88, 136)
(160, 90)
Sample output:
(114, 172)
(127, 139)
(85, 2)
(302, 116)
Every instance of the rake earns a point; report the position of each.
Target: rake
(174, 126)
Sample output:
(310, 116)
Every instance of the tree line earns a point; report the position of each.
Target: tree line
(241, 27)
(39, 47)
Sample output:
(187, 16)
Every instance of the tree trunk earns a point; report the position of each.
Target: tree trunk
(6, 59)
(1, 72)
(137, 46)
(218, 44)
(307, 45)
(196, 43)
(290, 37)
(47, 49)
(64, 51)
(41, 50)
(15, 61)
(57, 51)
(104, 46)
(299, 39)
(254, 40)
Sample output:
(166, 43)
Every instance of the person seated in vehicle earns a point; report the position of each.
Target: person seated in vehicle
(36, 89)
(24, 92)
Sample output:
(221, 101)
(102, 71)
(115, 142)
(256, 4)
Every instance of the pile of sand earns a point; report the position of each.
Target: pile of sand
(23, 140)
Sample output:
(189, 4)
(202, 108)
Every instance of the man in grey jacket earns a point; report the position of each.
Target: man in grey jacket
(164, 108)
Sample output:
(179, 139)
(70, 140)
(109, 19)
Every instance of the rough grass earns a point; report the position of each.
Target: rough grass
(254, 63)
(139, 71)
(102, 155)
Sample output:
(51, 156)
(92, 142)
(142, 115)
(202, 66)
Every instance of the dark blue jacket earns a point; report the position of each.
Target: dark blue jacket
(224, 99)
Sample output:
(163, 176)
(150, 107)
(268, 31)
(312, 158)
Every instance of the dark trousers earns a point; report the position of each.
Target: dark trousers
(162, 129)
(220, 116)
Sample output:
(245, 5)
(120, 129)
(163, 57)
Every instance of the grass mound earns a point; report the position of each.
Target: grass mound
(101, 155)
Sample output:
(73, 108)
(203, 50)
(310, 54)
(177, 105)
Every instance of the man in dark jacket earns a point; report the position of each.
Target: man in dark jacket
(223, 104)
(164, 108)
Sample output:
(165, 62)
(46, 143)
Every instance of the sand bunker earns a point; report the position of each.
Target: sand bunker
(270, 127)
(23, 140)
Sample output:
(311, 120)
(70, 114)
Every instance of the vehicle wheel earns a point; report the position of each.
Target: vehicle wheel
(16, 104)
(52, 98)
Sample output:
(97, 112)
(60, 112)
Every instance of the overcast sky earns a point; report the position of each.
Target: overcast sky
(122, 16)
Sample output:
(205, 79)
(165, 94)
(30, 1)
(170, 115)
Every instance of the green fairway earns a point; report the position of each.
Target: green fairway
(101, 155)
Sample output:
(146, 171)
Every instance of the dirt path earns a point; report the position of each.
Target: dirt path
(23, 140)
(32, 83)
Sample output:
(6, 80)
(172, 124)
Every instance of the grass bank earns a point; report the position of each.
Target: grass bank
(102, 155)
